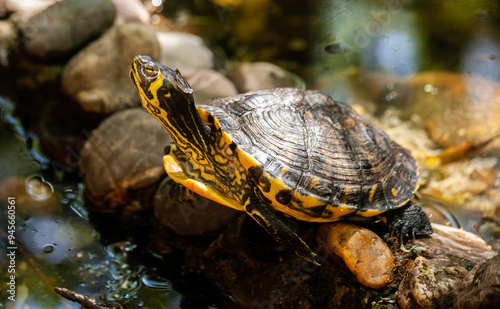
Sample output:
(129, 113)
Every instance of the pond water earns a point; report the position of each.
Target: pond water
(364, 53)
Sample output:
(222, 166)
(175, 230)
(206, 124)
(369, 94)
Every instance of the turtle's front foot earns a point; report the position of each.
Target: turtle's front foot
(278, 227)
(409, 221)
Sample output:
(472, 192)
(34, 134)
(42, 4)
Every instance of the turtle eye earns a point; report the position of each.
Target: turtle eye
(149, 71)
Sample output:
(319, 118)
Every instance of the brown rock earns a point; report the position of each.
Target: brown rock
(481, 287)
(122, 156)
(98, 76)
(364, 252)
(430, 284)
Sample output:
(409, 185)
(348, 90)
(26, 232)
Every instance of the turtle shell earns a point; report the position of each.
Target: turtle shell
(315, 158)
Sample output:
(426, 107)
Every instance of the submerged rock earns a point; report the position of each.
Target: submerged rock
(123, 156)
(364, 252)
(64, 27)
(98, 76)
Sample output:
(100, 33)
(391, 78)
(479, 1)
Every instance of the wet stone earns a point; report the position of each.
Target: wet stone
(122, 156)
(98, 76)
(187, 213)
(364, 252)
(430, 284)
(481, 287)
(260, 75)
(64, 27)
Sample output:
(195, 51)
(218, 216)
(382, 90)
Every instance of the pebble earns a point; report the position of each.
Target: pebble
(98, 76)
(123, 155)
(63, 28)
(364, 252)
(260, 75)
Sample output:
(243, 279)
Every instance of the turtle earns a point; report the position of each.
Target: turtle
(282, 153)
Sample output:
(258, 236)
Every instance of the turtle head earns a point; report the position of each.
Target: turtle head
(166, 95)
(158, 85)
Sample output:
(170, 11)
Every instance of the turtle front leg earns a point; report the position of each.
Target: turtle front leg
(277, 226)
(408, 221)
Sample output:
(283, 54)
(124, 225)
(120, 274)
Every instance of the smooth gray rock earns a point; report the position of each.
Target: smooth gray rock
(63, 28)
(123, 155)
(98, 76)
(185, 52)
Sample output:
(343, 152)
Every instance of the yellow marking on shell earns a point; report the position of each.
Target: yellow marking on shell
(394, 191)
(372, 192)
(314, 180)
(346, 192)
(175, 171)
(203, 115)
(370, 213)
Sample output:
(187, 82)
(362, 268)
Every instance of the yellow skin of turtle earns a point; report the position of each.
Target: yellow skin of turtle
(205, 159)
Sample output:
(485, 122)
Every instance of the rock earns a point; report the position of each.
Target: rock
(210, 84)
(122, 156)
(189, 214)
(455, 244)
(481, 287)
(260, 75)
(430, 284)
(62, 131)
(7, 39)
(364, 252)
(185, 52)
(98, 76)
(22, 11)
(131, 11)
(63, 28)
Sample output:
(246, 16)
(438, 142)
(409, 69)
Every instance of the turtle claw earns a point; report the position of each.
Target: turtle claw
(409, 221)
